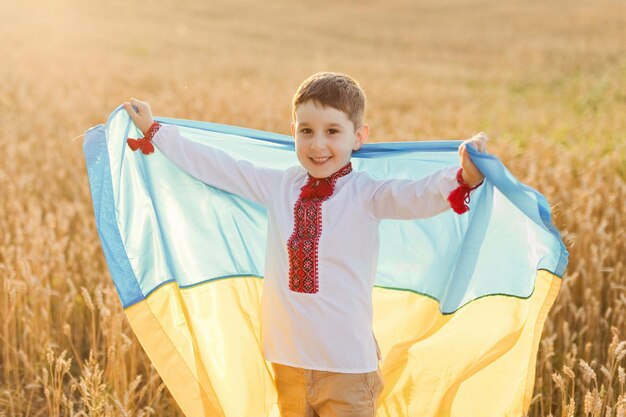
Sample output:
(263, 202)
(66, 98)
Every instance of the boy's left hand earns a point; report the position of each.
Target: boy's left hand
(471, 174)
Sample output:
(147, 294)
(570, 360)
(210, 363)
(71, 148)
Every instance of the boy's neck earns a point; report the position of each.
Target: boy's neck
(323, 187)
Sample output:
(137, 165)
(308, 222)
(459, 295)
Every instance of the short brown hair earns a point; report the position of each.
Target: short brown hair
(332, 89)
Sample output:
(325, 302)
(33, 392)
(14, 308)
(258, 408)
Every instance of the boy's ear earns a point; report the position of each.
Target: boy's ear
(293, 129)
(361, 136)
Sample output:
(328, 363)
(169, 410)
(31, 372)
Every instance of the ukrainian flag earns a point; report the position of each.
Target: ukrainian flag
(459, 301)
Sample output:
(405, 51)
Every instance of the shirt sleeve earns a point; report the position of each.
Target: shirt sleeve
(217, 168)
(411, 199)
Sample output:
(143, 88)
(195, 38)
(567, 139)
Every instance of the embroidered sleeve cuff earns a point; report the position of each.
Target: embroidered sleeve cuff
(145, 143)
(459, 198)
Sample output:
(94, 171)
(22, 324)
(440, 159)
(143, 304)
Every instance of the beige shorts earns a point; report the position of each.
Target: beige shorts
(311, 393)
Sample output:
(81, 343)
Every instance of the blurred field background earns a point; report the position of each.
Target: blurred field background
(546, 80)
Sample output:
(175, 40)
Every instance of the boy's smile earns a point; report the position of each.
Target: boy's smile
(325, 138)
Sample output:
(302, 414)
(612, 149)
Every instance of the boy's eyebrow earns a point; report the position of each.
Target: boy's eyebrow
(329, 124)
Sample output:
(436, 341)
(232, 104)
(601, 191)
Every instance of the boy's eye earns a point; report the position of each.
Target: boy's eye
(333, 131)
(305, 130)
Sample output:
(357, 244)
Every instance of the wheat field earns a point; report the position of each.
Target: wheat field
(546, 80)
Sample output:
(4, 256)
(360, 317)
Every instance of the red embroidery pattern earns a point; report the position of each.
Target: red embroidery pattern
(303, 243)
(145, 143)
(459, 198)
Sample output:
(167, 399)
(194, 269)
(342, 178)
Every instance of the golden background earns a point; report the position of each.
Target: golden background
(546, 80)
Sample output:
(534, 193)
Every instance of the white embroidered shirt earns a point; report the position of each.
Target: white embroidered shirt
(329, 327)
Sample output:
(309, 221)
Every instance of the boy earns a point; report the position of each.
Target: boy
(323, 241)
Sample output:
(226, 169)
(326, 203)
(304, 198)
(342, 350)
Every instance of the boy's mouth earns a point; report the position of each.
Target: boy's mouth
(320, 161)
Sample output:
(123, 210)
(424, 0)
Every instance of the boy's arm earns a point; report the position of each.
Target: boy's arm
(447, 188)
(210, 165)
(412, 199)
(216, 167)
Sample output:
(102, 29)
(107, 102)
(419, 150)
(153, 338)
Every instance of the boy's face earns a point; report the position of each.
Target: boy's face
(325, 138)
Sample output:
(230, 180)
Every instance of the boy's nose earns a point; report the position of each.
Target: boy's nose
(318, 143)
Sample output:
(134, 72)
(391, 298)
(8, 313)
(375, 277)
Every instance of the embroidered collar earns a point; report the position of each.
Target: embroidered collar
(323, 187)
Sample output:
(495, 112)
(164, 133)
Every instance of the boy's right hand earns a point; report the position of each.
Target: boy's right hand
(142, 117)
